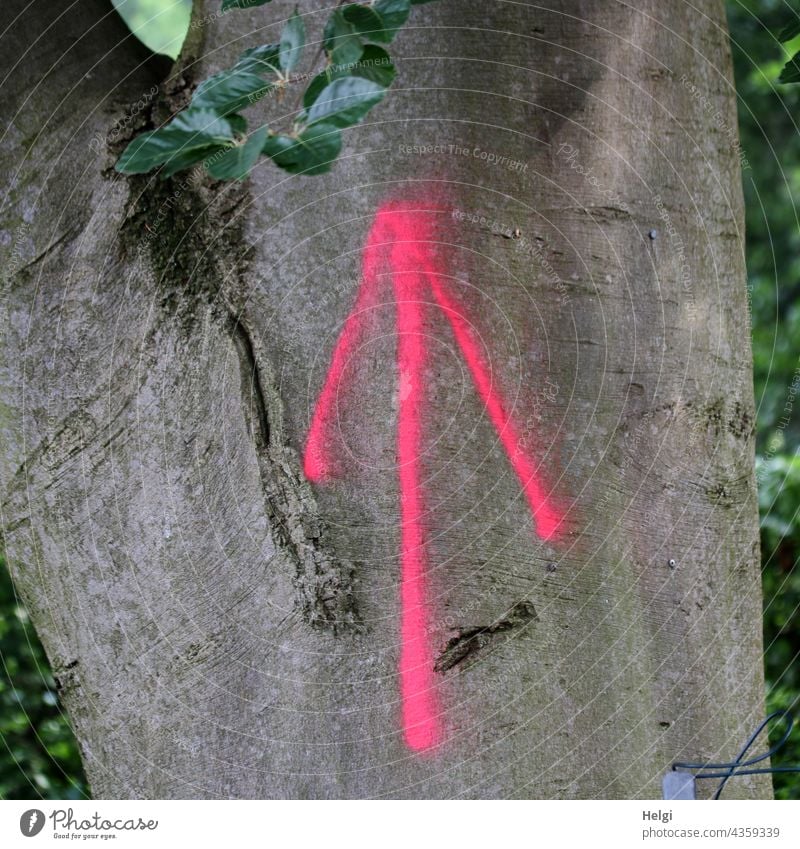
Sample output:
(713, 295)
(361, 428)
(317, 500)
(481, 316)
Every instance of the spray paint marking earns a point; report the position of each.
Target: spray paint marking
(402, 238)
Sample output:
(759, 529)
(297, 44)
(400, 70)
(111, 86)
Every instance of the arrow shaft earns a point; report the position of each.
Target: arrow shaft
(420, 713)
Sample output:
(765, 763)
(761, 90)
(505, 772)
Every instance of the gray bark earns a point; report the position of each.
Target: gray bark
(221, 628)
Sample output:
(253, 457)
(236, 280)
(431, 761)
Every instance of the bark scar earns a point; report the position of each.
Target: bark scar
(66, 676)
(324, 583)
(469, 640)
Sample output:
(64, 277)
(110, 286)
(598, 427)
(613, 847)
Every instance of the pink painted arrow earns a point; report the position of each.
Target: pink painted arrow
(402, 237)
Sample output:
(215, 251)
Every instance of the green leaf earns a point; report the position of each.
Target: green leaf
(229, 91)
(190, 130)
(318, 84)
(143, 154)
(345, 101)
(791, 70)
(236, 162)
(293, 40)
(312, 152)
(260, 60)
(342, 42)
(374, 65)
(184, 159)
(791, 28)
(238, 124)
(366, 22)
(227, 5)
(394, 13)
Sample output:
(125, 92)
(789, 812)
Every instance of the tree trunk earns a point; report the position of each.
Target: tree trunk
(219, 625)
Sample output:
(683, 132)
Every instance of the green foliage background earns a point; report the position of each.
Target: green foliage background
(770, 139)
(38, 754)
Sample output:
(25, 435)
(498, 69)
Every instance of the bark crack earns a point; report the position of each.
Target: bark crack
(251, 381)
(324, 583)
(469, 640)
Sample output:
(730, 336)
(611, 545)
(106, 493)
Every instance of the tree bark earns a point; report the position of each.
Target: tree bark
(221, 627)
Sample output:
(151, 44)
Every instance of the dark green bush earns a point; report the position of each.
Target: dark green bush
(38, 754)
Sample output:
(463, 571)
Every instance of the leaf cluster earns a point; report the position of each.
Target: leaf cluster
(212, 130)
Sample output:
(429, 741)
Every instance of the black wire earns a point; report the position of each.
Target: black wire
(733, 768)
